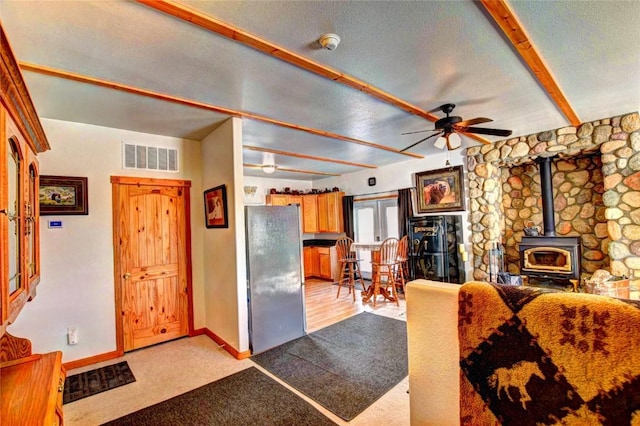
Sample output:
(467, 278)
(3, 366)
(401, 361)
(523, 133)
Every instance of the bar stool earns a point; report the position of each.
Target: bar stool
(386, 268)
(349, 266)
(402, 269)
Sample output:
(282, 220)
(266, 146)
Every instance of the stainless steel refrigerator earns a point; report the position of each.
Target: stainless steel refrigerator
(275, 277)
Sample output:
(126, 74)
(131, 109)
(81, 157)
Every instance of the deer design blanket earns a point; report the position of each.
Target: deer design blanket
(530, 357)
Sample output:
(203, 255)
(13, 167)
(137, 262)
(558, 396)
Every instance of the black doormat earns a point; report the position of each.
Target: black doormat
(248, 397)
(345, 367)
(95, 381)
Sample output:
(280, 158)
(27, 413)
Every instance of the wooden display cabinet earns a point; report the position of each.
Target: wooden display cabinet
(31, 385)
(21, 138)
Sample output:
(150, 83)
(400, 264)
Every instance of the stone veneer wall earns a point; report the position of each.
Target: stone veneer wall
(578, 208)
(618, 141)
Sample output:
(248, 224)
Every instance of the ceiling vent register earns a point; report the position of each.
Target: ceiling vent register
(149, 157)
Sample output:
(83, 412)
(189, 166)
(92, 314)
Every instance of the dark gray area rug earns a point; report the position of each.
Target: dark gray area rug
(344, 367)
(95, 381)
(248, 397)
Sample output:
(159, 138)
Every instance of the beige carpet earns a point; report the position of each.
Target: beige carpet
(201, 361)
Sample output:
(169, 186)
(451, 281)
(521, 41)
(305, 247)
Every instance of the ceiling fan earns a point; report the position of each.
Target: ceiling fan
(447, 128)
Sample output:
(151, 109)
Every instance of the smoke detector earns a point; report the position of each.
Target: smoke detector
(329, 41)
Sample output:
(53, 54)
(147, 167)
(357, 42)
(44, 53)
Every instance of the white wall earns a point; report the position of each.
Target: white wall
(77, 284)
(224, 248)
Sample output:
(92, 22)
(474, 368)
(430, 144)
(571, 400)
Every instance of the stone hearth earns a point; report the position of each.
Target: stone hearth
(596, 188)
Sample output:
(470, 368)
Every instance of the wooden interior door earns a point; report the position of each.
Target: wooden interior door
(151, 229)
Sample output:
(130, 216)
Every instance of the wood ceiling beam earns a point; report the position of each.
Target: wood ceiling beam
(224, 29)
(309, 157)
(183, 101)
(285, 169)
(513, 29)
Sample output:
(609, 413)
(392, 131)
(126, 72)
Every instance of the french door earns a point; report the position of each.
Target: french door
(374, 220)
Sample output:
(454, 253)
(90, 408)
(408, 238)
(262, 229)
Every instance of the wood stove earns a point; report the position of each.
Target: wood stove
(548, 259)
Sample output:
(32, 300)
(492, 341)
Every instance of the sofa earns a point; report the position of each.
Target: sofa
(483, 354)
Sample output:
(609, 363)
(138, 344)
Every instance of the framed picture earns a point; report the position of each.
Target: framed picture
(440, 190)
(215, 207)
(60, 195)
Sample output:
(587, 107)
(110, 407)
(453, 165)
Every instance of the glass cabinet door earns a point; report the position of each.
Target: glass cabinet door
(13, 213)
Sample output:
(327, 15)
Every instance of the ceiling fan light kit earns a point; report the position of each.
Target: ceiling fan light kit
(269, 168)
(454, 141)
(449, 126)
(440, 142)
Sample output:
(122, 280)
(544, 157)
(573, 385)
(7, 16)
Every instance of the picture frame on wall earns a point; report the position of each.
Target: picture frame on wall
(440, 190)
(63, 195)
(215, 207)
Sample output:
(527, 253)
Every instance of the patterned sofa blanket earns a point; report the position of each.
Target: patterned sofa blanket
(529, 357)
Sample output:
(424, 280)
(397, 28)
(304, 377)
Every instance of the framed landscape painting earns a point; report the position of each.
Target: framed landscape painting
(63, 195)
(440, 190)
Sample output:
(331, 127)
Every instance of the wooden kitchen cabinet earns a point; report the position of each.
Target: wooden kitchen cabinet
(283, 199)
(21, 138)
(295, 199)
(330, 212)
(277, 200)
(311, 262)
(310, 214)
(321, 262)
(324, 263)
(320, 212)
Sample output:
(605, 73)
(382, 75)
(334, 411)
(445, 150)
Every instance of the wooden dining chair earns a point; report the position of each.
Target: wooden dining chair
(349, 266)
(384, 282)
(402, 269)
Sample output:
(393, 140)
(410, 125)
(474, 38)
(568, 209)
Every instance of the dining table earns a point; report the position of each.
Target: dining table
(374, 248)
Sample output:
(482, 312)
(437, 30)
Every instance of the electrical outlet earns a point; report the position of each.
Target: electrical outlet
(72, 335)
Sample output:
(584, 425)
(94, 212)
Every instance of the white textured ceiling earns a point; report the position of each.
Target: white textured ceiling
(424, 52)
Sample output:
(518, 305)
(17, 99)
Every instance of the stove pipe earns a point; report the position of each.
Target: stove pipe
(549, 221)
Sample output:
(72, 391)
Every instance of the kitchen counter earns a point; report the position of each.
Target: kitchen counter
(318, 243)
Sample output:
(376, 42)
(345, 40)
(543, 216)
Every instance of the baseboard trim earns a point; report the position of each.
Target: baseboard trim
(91, 360)
(78, 363)
(224, 345)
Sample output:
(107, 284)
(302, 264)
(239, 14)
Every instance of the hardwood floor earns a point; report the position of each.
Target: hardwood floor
(324, 308)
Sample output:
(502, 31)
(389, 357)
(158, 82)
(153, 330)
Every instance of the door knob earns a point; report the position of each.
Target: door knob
(126, 276)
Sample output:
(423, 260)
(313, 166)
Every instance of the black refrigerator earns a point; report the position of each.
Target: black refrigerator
(433, 248)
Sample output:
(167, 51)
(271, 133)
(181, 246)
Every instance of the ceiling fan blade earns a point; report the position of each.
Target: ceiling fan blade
(419, 131)
(483, 131)
(478, 120)
(420, 141)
